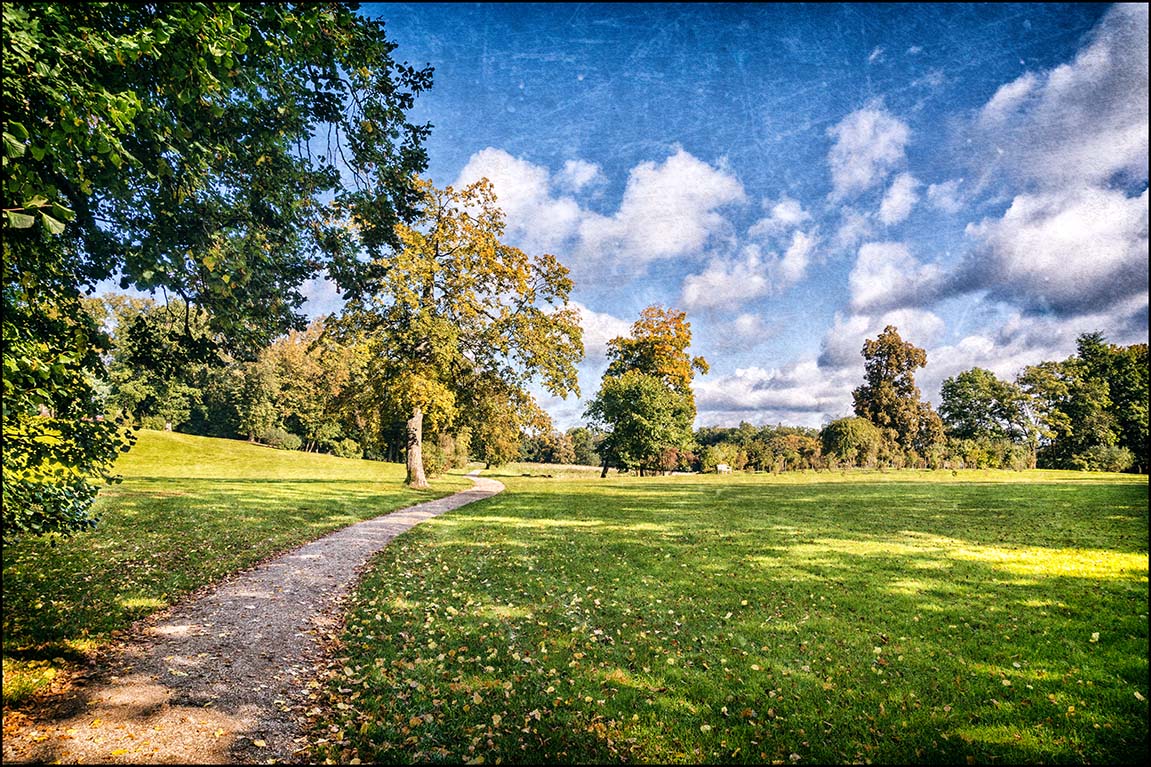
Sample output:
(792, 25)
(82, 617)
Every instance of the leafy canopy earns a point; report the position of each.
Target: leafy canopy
(215, 152)
(456, 315)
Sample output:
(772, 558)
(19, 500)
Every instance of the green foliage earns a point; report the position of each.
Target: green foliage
(976, 404)
(585, 445)
(854, 441)
(57, 445)
(171, 144)
(1093, 400)
(889, 397)
(280, 438)
(1103, 458)
(643, 418)
(645, 403)
(455, 315)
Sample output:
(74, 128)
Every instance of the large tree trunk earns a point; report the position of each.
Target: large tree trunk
(416, 478)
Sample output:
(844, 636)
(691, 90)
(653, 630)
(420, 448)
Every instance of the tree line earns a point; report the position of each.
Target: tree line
(1087, 412)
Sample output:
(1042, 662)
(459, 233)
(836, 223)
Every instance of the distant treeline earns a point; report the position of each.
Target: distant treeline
(305, 392)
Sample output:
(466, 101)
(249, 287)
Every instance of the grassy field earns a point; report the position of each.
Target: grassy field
(895, 617)
(190, 510)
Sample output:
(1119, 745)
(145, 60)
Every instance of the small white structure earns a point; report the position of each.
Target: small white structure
(722, 468)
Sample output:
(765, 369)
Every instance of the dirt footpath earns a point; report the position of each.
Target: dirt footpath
(217, 679)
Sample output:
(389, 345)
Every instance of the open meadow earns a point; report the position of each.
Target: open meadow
(189, 511)
(896, 617)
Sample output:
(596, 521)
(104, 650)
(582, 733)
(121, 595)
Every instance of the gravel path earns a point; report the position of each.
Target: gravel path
(209, 679)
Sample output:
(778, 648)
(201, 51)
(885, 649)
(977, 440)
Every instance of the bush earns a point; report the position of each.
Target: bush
(344, 448)
(281, 439)
(1104, 458)
(153, 422)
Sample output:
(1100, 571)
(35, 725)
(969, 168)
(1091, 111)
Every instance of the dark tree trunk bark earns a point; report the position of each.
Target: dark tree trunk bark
(416, 478)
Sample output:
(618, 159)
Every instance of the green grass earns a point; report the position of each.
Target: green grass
(189, 511)
(896, 617)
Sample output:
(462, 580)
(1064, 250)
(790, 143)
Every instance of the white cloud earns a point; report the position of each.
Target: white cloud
(1007, 99)
(869, 144)
(793, 266)
(887, 276)
(598, 329)
(798, 394)
(748, 326)
(577, 174)
(783, 216)
(1082, 122)
(900, 199)
(669, 209)
(1066, 252)
(875, 55)
(842, 344)
(945, 196)
(730, 282)
(727, 283)
(535, 219)
(854, 228)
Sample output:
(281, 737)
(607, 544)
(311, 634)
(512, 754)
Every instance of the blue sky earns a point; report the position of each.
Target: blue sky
(796, 177)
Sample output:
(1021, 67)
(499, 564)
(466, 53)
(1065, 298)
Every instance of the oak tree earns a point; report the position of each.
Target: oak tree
(455, 313)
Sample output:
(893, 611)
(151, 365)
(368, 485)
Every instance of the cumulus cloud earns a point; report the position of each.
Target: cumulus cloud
(841, 345)
(1068, 252)
(900, 198)
(869, 144)
(535, 219)
(945, 196)
(730, 282)
(577, 174)
(598, 329)
(798, 394)
(886, 276)
(1082, 122)
(727, 282)
(854, 228)
(793, 265)
(669, 209)
(782, 217)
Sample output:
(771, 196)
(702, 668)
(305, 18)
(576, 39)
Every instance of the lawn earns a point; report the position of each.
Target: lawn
(895, 617)
(189, 511)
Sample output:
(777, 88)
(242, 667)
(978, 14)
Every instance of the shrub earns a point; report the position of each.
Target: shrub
(344, 448)
(1103, 458)
(279, 438)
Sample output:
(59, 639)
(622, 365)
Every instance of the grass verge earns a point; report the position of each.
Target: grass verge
(189, 511)
(891, 618)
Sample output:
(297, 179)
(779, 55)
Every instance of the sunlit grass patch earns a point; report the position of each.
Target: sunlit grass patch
(189, 511)
(681, 619)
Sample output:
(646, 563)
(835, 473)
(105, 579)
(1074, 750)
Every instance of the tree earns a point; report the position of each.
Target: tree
(1089, 406)
(455, 313)
(890, 398)
(658, 346)
(645, 403)
(855, 441)
(585, 445)
(172, 144)
(643, 418)
(978, 405)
